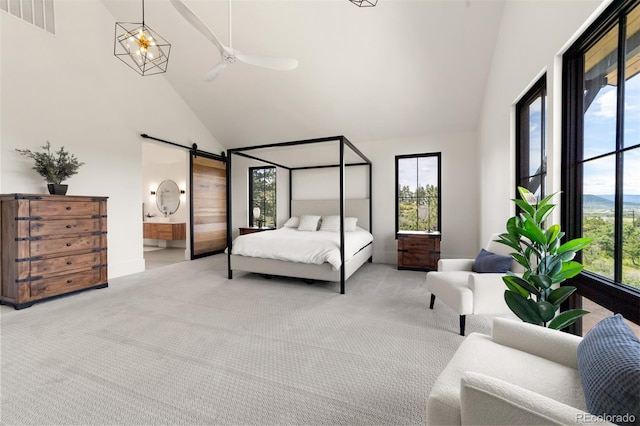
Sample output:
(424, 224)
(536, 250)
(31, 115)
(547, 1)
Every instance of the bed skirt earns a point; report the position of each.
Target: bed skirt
(323, 272)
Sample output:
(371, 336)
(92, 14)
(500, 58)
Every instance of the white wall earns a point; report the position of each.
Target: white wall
(531, 40)
(71, 90)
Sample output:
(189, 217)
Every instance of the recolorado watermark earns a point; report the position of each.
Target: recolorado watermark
(587, 418)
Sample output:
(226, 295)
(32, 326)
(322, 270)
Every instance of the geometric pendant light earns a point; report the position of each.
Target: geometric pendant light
(141, 48)
(364, 3)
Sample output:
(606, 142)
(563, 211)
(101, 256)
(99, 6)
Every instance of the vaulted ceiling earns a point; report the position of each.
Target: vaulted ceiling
(404, 68)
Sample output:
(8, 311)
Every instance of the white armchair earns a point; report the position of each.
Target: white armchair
(523, 374)
(468, 292)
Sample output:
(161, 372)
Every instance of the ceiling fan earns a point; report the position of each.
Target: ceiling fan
(229, 54)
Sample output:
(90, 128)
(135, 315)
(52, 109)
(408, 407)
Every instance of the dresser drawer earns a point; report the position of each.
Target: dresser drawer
(48, 287)
(64, 208)
(64, 245)
(64, 226)
(60, 265)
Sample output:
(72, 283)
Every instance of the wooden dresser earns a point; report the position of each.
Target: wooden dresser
(418, 250)
(51, 245)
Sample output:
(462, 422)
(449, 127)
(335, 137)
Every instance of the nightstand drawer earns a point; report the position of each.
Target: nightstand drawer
(422, 244)
(252, 229)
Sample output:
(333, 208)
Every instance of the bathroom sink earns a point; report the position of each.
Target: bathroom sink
(158, 219)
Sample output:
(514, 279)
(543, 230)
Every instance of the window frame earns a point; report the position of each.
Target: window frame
(438, 155)
(608, 293)
(539, 89)
(251, 197)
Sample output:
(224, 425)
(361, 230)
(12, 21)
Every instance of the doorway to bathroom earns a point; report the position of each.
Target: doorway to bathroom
(165, 206)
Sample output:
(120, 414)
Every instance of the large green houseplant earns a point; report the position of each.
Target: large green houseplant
(535, 297)
(54, 167)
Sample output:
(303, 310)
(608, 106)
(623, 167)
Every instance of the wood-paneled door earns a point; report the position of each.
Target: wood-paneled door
(208, 205)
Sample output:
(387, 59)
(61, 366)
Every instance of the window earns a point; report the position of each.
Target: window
(601, 157)
(531, 156)
(262, 194)
(418, 192)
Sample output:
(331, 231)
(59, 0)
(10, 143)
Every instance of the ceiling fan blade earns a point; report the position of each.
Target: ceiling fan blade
(215, 71)
(193, 19)
(282, 64)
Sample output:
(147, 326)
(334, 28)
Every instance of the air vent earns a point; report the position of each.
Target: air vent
(36, 12)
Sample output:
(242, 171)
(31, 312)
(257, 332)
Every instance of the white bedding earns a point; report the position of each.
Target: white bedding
(291, 245)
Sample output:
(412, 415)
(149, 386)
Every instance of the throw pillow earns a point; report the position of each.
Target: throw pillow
(487, 262)
(609, 367)
(293, 222)
(330, 223)
(308, 223)
(350, 224)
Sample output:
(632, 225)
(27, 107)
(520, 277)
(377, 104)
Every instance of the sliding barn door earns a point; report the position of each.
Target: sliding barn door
(208, 206)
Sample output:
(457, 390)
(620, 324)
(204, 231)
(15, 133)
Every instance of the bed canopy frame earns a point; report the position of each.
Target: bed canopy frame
(253, 152)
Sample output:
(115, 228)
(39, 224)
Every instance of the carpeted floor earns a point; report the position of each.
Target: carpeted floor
(182, 344)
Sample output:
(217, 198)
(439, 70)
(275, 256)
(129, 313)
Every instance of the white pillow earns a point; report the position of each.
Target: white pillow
(350, 224)
(293, 222)
(308, 223)
(330, 224)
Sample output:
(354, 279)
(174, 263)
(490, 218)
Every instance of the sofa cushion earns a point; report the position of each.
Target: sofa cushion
(609, 366)
(487, 262)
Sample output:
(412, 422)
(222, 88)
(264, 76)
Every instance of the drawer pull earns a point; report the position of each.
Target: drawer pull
(69, 226)
(69, 281)
(69, 262)
(68, 244)
(68, 207)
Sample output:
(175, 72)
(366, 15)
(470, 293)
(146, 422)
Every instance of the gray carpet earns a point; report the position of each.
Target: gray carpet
(183, 345)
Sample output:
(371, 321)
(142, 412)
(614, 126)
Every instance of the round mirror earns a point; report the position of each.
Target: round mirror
(168, 197)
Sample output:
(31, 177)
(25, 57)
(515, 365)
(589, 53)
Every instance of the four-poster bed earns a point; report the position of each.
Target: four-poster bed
(348, 255)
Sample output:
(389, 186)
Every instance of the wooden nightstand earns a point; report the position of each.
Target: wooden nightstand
(252, 229)
(419, 251)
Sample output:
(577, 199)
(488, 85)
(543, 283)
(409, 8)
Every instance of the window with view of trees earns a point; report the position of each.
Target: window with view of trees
(531, 156)
(262, 194)
(601, 155)
(418, 192)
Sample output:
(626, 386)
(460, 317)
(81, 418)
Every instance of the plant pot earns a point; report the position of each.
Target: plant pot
(57, 188)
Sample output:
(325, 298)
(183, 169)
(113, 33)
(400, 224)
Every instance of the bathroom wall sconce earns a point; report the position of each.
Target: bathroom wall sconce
(182, 191)
(153, 192)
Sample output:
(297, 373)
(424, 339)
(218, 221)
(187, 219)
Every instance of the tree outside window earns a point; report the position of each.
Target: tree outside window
(418, 192)
(262, 194)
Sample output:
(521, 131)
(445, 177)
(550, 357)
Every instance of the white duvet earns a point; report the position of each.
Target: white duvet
(292, 245)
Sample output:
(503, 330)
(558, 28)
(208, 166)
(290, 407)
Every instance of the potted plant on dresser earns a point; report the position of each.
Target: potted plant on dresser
(54, 167)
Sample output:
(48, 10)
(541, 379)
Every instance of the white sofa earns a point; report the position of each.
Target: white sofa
(521, 375)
